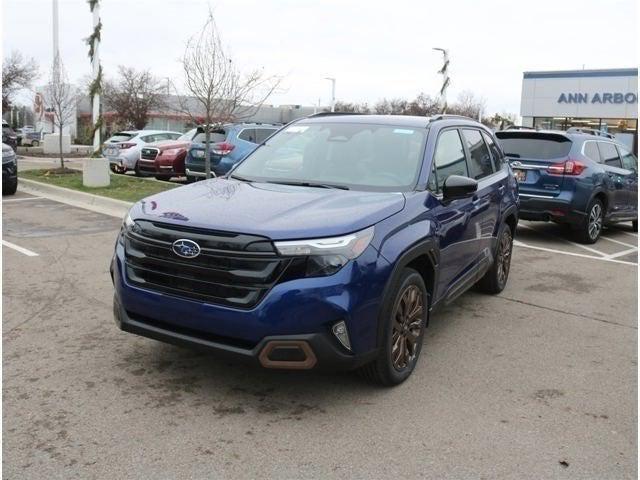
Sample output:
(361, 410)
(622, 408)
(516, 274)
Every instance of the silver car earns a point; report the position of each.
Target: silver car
(123, 148)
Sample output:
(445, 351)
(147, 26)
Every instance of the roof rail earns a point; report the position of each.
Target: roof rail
(330, 114)
(590, 131)
(444, 116)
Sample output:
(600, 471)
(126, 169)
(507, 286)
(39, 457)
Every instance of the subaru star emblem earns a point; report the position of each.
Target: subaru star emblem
(186, 248)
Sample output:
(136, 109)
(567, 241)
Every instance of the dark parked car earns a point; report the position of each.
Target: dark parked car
(580, 177)
(9, 137)
(9, 170)
(328, 246)
(230, 144)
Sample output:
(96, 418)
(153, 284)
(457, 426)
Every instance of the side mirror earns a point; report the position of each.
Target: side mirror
(457, 186)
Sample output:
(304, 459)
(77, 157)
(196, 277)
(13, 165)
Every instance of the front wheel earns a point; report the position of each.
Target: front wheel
(496, 277)
(405, 319)
(163, 178)
(10, 188)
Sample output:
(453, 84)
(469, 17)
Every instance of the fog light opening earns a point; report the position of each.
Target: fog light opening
(341, 333)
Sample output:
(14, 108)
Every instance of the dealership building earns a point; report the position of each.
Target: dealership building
(605, 100)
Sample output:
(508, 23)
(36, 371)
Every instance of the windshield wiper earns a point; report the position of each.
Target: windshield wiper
(310, 184)
(242, 179)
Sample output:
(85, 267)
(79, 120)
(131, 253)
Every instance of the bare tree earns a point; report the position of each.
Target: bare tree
(17, 72)
(468, 104)
(423, 105)
(61, 99)
(133, 96)
(352, 107)
(222, 93)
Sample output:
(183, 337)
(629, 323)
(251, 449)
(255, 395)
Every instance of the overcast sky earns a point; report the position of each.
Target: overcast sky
(374, 49)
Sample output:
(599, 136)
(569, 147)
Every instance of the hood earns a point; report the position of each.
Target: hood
(274, 211)
(169, 144)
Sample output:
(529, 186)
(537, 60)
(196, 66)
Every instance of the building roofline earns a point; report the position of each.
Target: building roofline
(608, 72)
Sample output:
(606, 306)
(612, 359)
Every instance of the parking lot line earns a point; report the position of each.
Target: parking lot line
(573, 254)
(20, 249)
(623, 253)
(579, 245)
(618, 242)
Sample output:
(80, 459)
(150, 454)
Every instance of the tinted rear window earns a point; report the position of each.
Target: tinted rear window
(216, 136)
(121, 137)
(534, 146)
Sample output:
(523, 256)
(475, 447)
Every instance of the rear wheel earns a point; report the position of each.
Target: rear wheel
(496, 277)
(405, 317)
(590, 229)
(163, 178)
(191, 179)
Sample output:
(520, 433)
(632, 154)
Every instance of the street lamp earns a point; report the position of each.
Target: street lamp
(333, 92)
(444, 71)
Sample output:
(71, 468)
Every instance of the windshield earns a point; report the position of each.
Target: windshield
(355, 155)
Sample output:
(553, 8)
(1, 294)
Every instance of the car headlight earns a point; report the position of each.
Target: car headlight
(197, 153)
(172, 152)
(127, 225)
(325, 256)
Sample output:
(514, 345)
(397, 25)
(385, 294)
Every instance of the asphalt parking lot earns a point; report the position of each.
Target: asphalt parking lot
(537, 382)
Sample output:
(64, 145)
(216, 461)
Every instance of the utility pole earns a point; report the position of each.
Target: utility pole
(56, 47)
(95, 67)
(444, 71)
(333, 92)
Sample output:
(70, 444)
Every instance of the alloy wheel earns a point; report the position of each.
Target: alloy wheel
(407, 327)
(504, 257)
(595, 221)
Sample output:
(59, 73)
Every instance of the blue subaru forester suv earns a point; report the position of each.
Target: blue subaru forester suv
(328, 246)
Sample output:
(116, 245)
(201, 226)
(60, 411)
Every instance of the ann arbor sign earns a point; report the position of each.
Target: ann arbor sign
(605, 97)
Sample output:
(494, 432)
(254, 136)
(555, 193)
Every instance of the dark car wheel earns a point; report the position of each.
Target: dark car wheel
(163, 178)
(405, 317)
(590, 229)
(10, 187)
(496, 277)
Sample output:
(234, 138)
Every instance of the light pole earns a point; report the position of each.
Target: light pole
(333, 92)
(444, 71)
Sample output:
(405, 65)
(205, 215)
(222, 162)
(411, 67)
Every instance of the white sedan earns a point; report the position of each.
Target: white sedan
(123, 148)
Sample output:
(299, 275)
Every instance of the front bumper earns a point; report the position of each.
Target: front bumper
(302, 310)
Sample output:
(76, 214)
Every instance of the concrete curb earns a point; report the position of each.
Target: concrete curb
(88, 201)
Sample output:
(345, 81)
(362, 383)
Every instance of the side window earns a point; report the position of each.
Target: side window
(609, 154)
(263, 133)
(479, 158)
(148, 138)
(496, 153)
(449, 157)
(591, 151)
(629, 161)
(248, 135)
(174, 136)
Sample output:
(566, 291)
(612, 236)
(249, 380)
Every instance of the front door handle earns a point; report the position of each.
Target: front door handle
(501, 189)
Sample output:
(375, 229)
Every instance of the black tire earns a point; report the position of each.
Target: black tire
(384, 369)
(137, 171)
(163, 178)
(10, 188)
(589, 230)
(35, 143)
(494, 281)
(191, 179)
(634, 225)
